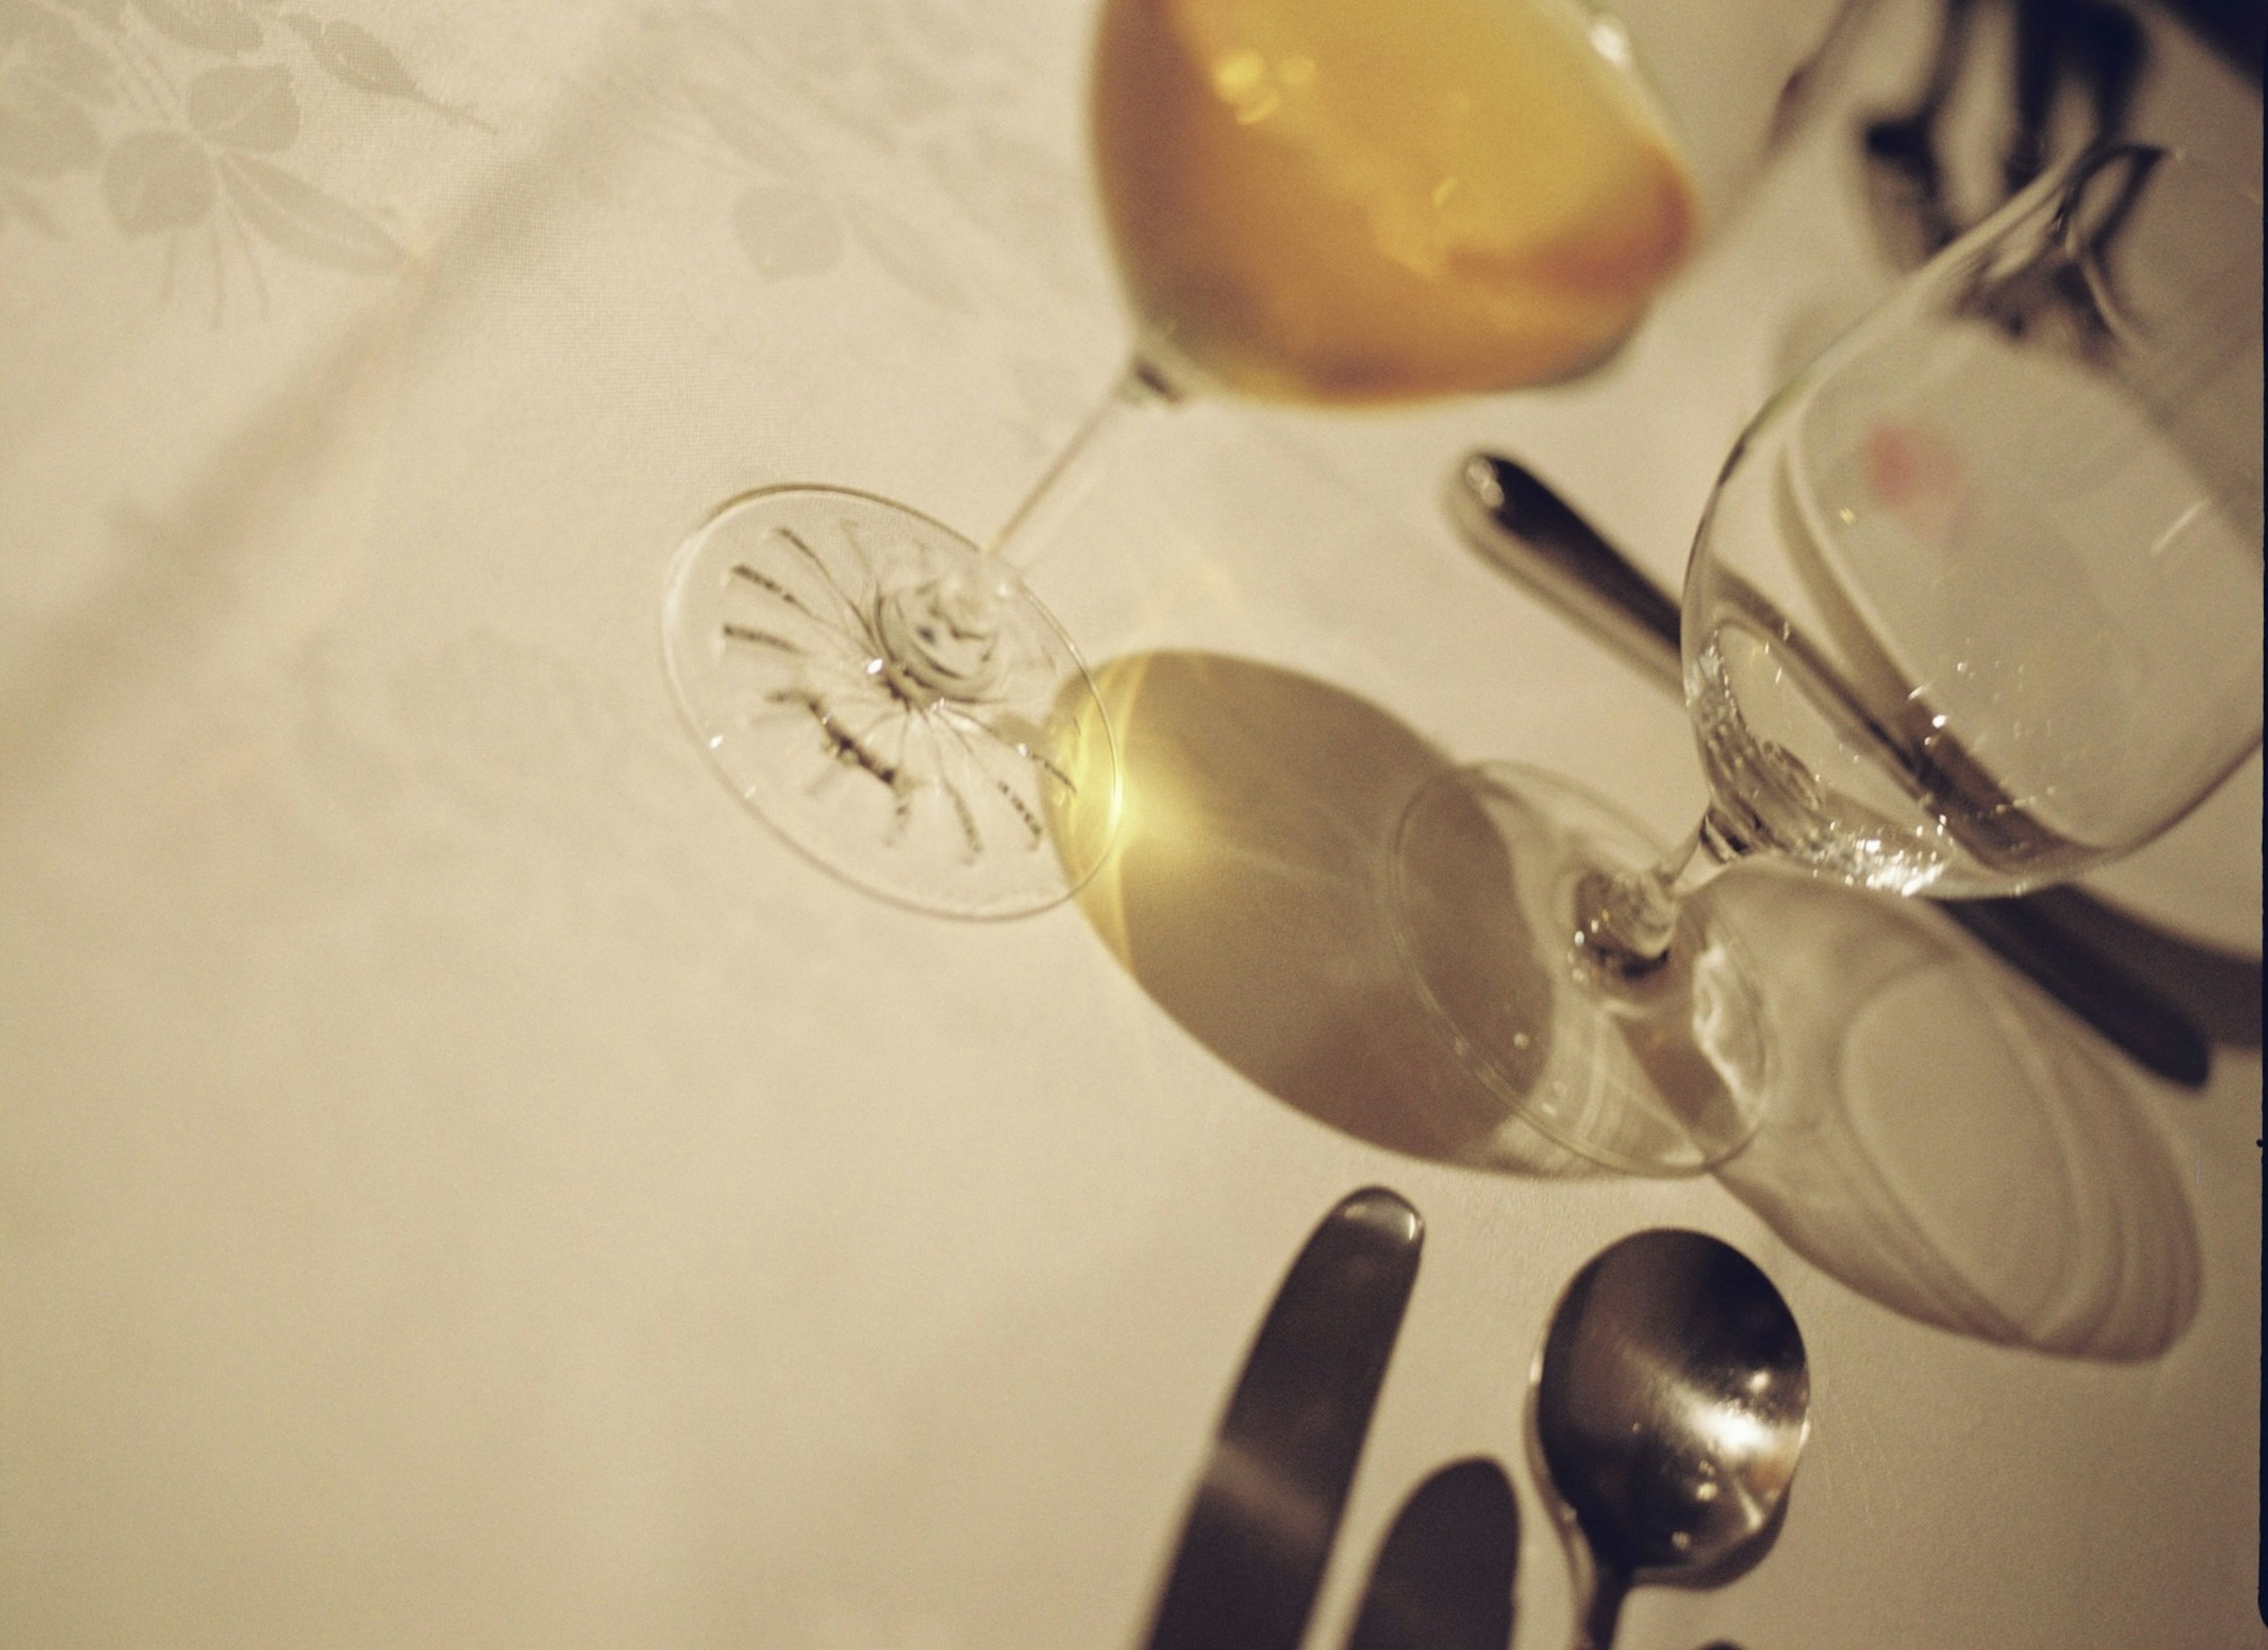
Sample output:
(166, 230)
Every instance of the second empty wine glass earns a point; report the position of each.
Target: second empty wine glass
(1976, 605)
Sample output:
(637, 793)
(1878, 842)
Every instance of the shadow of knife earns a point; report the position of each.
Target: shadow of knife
(1524, 529)
(1259, 1531)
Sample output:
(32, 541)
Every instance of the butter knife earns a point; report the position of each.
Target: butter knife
(1260, 1529)
(1527, 531)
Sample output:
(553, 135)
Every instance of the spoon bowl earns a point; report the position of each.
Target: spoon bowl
(1670, 1403)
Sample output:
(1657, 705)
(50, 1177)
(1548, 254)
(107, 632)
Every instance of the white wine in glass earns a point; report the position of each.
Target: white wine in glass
(1340, 201)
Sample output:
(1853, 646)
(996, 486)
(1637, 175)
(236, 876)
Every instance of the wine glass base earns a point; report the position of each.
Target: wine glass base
(1665, 1074)
(892, 702)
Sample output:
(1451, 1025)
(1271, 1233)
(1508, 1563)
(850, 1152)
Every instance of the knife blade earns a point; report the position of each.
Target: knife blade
(1524, 529)
(1260, 1527)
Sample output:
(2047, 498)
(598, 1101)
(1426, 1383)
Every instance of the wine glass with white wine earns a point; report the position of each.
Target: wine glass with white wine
(1329, 202)
(1975, 606)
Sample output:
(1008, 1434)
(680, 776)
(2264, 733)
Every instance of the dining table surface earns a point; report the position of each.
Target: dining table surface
(466, 1182)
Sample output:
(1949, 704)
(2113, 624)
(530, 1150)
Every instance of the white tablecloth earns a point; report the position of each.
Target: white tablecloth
(464, 1181)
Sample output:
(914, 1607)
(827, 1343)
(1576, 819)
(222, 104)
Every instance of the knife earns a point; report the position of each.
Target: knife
(1260, 1529)
(1529, 532)
(1443, 1577)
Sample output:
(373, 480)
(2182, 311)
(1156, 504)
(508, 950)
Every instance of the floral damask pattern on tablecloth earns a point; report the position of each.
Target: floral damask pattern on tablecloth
(181, 118)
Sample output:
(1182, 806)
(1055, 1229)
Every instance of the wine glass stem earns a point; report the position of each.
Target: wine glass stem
(1038, 520)
(939, 638)
(1626, 919)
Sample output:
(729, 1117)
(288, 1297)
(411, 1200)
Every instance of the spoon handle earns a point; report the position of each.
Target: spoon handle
(1602, 1613)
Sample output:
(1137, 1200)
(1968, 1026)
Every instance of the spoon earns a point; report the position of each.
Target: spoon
(1670, 1402)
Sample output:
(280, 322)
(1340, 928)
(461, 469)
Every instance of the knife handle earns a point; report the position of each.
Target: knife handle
(1529, 532)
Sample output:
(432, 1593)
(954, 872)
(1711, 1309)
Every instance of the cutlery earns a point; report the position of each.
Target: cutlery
(1905, 181)
(1527, 531)
(2101, 46)
(1442, 1580)
(1258, 1533)
(2104, 44)
(1670, 1404)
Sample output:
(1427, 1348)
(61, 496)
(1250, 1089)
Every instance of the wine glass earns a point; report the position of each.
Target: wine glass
(1975, 605)
(1324, 201)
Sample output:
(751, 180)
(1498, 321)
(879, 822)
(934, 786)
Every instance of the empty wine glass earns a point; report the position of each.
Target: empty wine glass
(1324, 201)
(1976, 605)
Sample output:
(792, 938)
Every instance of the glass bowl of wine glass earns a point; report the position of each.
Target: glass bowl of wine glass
(1975, 606)
(1325, 201)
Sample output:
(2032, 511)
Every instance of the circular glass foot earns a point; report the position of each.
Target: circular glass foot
(891, 701)
(1664, 1075)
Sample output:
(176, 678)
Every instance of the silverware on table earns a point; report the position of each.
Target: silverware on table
(1259, 1532)
(2104, 46)
(1527, 531)
(1670, 1403)
(1906, 173)
(1443, 1577)
(1905, 177)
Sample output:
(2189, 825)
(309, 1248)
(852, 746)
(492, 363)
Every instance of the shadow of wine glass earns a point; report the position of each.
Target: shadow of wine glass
(1936, 1140)
(1941, 1141)
(1244, 894)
